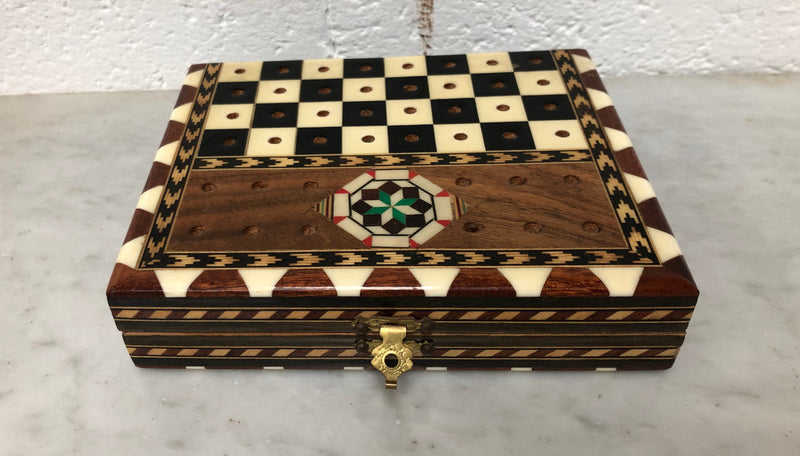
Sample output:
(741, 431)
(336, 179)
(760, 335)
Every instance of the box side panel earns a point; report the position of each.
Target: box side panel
(336, 315)
(525, 352)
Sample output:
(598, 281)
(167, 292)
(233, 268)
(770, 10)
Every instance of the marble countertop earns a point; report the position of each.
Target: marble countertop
(721, 153)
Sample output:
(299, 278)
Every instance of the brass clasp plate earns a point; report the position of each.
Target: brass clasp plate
(393, 353)
(392, 357)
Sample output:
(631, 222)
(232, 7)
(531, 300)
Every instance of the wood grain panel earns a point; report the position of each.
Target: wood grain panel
(556, 198)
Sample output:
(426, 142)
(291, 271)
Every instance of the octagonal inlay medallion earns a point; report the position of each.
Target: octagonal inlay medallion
(392, 208)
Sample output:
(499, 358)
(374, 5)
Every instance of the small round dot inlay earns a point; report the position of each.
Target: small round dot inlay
(533, 227)
(472, 227)
(198, 230)
(591, 227)
(309, 230)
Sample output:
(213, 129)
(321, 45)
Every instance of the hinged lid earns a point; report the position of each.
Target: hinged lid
(496, 175)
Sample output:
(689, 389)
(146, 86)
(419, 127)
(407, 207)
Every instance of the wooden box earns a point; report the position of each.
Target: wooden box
(460, 211)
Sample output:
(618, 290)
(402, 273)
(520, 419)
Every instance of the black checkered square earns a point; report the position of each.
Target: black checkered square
(454, 111)
(406, 88)
(235, 92)
(360, 113)
(314, 141)
(287, 69)
(363, 68)
(411, 138)
(532, 61)
(275, 115)
(507, 136)
(320, 90)
(494, 84)
(548, 107)
(447, 64)
(223, 143)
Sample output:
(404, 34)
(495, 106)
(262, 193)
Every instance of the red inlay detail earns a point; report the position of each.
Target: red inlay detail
(443, 193)
(341, 190)
(338, 219)
(371, 173)
(412, 174)
(444, 222)
(368, 241)
(413, 244)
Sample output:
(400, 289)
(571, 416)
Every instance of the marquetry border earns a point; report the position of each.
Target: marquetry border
(289, 352)
(500, 315)
(511, 271)
(406, 159)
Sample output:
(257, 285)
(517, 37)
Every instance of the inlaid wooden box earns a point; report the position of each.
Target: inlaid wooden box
(460, 211)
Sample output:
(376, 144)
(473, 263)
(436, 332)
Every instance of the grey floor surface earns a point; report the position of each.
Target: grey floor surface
(721, 152)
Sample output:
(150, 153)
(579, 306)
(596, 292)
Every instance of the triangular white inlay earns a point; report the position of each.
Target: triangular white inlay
(175, 282)
(619, 139)
(435, 281)
(130, 251)
(149, 199)
(166, 153)
(640, 188)
(527, 282)
(181, 113)
(261, 281)
(584, 64)
(348, 281)
(620, 281)
(665, 244)
(194, 78)
(599, 99)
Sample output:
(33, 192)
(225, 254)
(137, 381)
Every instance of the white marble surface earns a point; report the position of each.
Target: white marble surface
(721, 153)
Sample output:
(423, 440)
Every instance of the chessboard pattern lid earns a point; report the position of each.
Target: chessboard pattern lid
(653, 266)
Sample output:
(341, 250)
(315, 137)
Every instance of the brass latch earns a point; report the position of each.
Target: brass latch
(392, 355)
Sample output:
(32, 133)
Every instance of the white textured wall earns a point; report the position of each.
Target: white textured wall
(95, 45)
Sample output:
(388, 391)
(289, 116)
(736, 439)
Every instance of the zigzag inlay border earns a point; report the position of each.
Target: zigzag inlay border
(374, 161)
